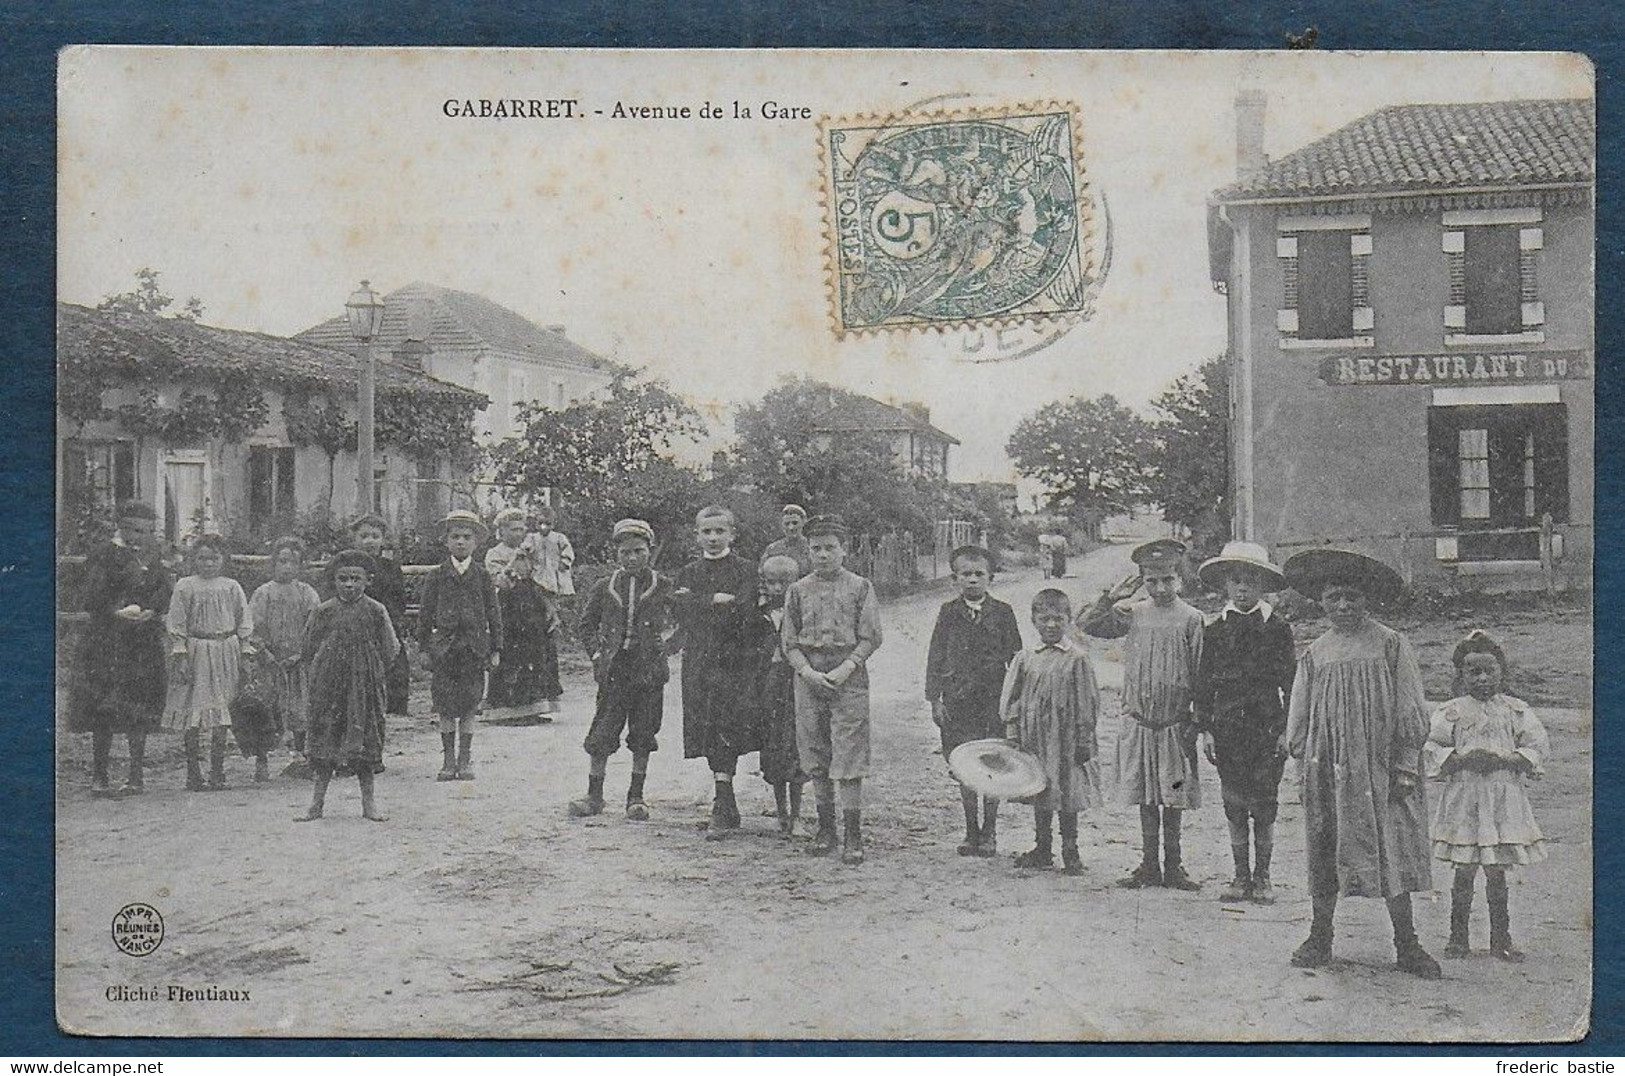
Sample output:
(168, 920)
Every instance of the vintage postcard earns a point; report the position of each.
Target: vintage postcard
(825, 544)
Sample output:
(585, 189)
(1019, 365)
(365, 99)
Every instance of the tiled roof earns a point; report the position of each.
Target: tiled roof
(1427, 148)
(459, 321)
(188, 345)
(851, 412)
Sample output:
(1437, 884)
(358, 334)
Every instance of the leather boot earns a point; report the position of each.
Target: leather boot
(1241, 886)
(448, 754)
(217, 762)
(1461, 912)
(852, 840)
(1263, 892)
(1409, 954)
(136, 782)
(101, 747)
(1495, 888)
(824, 840)
(465, 767)
(1316, 951)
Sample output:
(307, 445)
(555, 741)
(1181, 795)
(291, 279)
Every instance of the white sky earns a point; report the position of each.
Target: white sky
(269, 182)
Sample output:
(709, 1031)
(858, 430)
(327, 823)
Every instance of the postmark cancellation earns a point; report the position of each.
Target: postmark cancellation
(952, 219)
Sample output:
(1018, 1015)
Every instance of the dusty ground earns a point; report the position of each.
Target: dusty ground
(480, 910)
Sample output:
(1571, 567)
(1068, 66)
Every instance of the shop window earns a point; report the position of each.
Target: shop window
(270, 489)
(1326, 281)
(1498, 468)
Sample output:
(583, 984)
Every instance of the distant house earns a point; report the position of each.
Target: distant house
(223, 430)
(1410, 336)
(919, 447)
(468, 340)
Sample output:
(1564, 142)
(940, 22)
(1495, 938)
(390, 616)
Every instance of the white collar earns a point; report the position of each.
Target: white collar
(1064, 646)
(716, 556)
(461, 566)
(1230, 607)
(977, 604)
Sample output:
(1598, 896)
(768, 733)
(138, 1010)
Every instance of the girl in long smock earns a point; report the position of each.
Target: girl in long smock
(1357, 723)
(1156, 756)
(281, 609)
(347, 650)
(209, 625)
(1050, 701)
(1484, 744)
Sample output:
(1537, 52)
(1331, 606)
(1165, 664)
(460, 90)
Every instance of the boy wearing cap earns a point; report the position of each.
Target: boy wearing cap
(831, 627)
(624, 627)
(460, 637)
(1242, 687)
(793, 545)
(387, 585)
(973, 641)
(718, 724)
(1156, 761)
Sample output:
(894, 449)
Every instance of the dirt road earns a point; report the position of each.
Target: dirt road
(479, 909)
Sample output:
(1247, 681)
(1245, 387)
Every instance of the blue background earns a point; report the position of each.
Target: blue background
(31, 33)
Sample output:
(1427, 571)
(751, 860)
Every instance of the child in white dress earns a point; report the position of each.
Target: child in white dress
(1484, 744)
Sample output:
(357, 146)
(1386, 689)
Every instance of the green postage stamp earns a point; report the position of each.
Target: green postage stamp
(951, 219)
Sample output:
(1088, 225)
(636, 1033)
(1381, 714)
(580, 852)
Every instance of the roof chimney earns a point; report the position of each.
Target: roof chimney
(411, 353)
(1250, 108)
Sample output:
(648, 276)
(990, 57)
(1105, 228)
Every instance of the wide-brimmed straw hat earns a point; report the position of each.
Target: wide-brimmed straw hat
(462, 517)
(994, 769)
(1313, 570)
(1245, 555)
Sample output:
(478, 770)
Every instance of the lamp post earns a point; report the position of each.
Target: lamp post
(366, 314)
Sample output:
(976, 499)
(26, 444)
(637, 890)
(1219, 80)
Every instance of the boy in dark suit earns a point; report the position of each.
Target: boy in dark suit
(624, 627)
(975, 637)
(460, 636)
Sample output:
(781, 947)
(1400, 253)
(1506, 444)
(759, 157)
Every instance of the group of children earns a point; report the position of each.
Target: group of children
(775, 663)
(1232, 687)
(774, 658)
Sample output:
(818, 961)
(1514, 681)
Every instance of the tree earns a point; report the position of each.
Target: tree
(781, 455)
(1191, 451)
(1091, 454)
(607, 456)
(148, 298)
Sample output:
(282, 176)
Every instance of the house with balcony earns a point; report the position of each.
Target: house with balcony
(1410, 335)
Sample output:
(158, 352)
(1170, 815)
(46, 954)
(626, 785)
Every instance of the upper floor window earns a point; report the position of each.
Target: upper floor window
(1325, 269)
(1494, 290)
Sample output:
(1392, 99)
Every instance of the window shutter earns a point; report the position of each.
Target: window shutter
(285, 483)
(1444, 491)
(1551, 428)
(259, 486)
(123, 472)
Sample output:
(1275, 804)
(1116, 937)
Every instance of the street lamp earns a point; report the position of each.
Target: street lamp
(366, 313)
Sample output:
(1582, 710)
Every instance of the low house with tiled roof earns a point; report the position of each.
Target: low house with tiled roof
(1410, 331)
(469, 340)
(919, 447)
(239, 432)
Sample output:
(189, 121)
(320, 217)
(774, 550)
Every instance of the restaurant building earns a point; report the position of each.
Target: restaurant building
(1410, 335)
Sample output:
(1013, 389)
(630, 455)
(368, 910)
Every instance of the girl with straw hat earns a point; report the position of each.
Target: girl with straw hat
(1357, 723)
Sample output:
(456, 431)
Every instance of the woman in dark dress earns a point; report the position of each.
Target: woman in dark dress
(121, 683)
